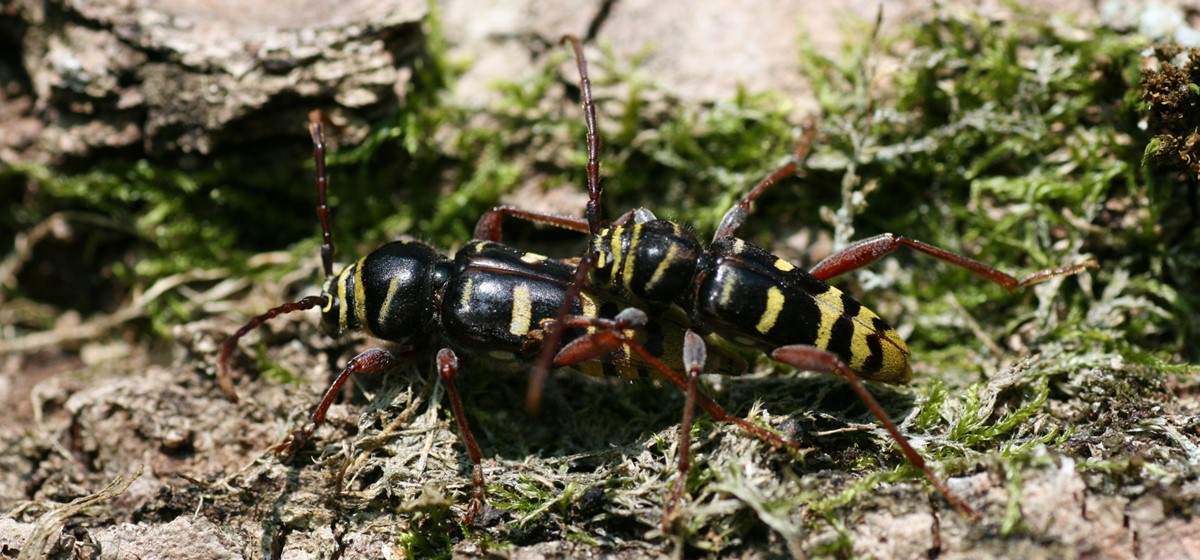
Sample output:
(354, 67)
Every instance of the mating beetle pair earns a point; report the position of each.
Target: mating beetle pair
(647, 299)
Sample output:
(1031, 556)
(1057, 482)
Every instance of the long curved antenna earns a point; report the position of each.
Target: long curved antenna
(593, 139)
(316, 128)
(230, 343)
(544, 363)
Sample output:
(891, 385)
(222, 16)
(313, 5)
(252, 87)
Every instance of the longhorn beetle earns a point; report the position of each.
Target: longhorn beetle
(489, 303)
(743, 293)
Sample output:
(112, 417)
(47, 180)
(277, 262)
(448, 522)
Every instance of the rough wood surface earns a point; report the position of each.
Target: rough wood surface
(198, 76)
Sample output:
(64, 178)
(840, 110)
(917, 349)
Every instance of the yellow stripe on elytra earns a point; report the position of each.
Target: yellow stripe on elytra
(464, 303)
(771, 314)
(830, 309)
(784, 265)
(522, 311)
(590, 309)
(533, 258)
(727, 290)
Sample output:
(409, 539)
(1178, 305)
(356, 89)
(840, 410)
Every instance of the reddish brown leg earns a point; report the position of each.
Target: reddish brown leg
(867, 251)
(447, 364)
(610, 335)
(374, 360)
(694, 356)
(736, 216)
(591, 224)
(545, 361)
(810, 358)
(489, 225)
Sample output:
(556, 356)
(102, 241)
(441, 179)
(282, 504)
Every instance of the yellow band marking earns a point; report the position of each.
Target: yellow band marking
(596, 245)
(464, 302)
(784, 265)
(727, 289)
(522, 311)
(859, 351)
(774, 306)
(614, 245)
(590, 308)
(360, 297)
(627, 269)
(533, 258)
(341, 289)
(328, 291)
(829, 305)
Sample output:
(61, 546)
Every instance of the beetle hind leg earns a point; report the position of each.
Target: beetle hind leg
(811, 358)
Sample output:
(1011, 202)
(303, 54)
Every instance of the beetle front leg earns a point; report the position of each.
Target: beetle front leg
(374, 360)
(737, 214)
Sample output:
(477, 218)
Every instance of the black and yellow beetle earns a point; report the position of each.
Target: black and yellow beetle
(490, 306)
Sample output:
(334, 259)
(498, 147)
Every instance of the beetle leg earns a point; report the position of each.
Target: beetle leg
(811, 358)
(867, 251)
(374, 360)
(488, 226)
(610, 333)
(447, 365)
(694, 356)
(736, 215)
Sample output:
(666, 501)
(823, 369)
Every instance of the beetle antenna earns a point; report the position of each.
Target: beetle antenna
(316, 128)
(230, 343)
